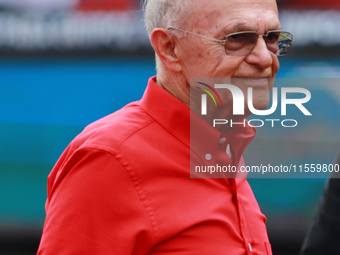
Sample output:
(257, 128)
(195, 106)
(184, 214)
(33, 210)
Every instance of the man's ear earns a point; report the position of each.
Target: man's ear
(165, 45)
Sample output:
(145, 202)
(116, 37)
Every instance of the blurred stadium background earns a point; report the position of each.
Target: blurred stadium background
(66, 63)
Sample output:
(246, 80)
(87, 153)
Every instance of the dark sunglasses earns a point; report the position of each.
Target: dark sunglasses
(242, 43)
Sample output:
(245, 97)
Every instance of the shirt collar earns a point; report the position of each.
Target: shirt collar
(201, 137)
(167, 110)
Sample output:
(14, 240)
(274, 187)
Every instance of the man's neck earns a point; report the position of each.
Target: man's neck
(176, 86)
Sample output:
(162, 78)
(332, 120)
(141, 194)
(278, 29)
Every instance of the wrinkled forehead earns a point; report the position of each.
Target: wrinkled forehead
(235, 15)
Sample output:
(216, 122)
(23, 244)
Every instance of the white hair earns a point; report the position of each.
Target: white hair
(164, 13)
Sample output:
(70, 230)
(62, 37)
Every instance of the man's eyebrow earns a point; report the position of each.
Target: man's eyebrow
(245, 26)
(238, 26)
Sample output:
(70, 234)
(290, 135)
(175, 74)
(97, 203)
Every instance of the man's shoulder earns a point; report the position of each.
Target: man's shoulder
(113, 130)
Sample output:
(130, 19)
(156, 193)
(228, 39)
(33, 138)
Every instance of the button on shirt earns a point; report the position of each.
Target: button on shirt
(218, 149)
(123, 186)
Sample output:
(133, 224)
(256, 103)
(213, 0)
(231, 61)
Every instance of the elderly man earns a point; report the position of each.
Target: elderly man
(123, 185)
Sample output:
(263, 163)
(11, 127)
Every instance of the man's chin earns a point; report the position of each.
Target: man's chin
(255, 82)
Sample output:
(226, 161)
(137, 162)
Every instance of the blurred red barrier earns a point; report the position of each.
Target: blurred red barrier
(313, 4)
(106, 5)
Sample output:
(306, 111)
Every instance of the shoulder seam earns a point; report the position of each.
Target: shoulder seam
(134, 132)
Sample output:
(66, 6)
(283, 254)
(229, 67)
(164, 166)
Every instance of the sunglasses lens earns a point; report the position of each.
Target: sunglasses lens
(284, 43)
(272, 41)
(242, 44)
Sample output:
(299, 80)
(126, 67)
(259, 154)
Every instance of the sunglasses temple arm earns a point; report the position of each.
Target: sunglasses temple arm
(206, 37)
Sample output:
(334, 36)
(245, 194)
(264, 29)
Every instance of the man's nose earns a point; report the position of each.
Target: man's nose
(260, 55)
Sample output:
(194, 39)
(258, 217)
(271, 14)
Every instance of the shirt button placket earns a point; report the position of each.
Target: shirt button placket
(222, 140)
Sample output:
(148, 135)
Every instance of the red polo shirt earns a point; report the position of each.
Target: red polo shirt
(123, 186)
